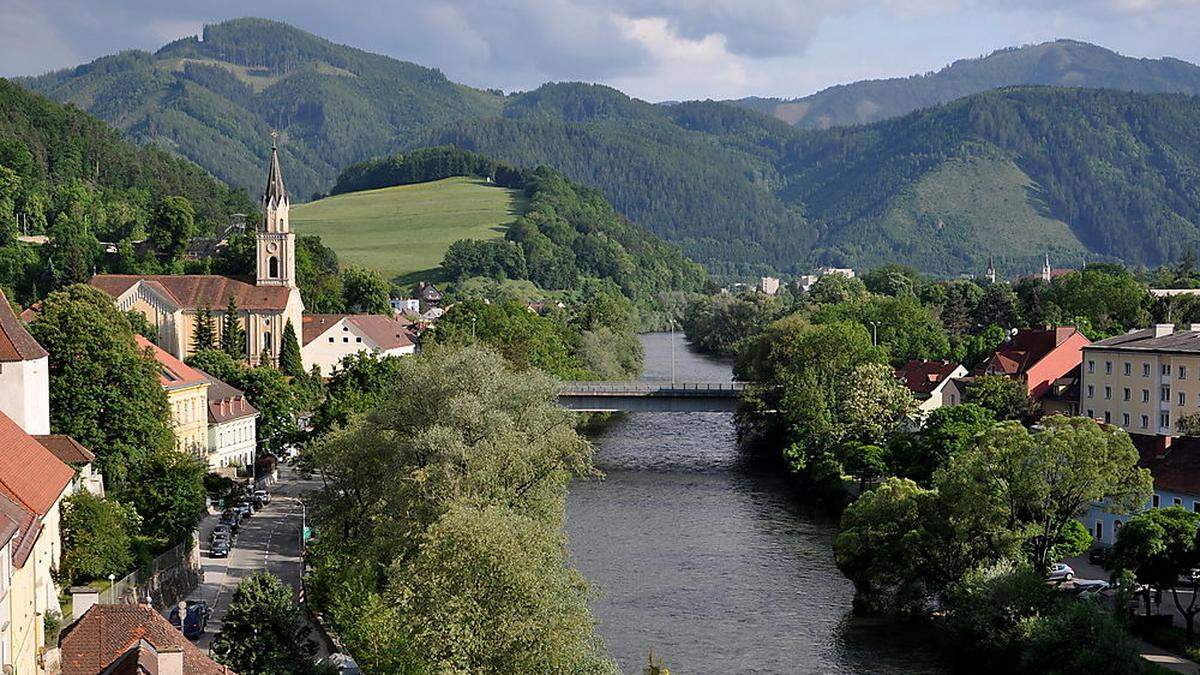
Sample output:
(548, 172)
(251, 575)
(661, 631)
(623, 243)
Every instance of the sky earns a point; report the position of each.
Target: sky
(652, 49)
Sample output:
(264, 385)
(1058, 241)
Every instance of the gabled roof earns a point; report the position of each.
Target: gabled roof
(26, 526)
(924, 377)
(66, 449)
(226, 402)
(1020, 352)
(385, 331)
(172, 373)
(197, 291)
(1176, 470)
(107, 633)
(29, 474)
(16, 344)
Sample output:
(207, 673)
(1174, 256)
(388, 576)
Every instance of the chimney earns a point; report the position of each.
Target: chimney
(1161, 446)
(1163, 329)
(170, 660)
(82, 599)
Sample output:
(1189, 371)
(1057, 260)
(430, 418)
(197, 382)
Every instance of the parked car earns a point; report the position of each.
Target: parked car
(220, 548)
(244, 508)
(221, 529)
(1060, 572)
(1099, 556)
(194, 620)
(262, 497)
(232, 522)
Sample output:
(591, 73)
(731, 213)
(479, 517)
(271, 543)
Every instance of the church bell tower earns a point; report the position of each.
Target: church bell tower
(276, 243)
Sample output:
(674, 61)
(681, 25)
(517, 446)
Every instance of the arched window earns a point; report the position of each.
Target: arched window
(273, 267)
(267, 341)
(281, 224)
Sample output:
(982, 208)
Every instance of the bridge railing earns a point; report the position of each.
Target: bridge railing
(651, 386)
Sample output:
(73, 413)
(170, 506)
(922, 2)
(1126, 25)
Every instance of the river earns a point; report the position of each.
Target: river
(704, 557)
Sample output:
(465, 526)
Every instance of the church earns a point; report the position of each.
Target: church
(173, 303)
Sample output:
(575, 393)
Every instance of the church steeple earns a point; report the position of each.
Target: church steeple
(1046, 269)
(991, 270)
(276, 243)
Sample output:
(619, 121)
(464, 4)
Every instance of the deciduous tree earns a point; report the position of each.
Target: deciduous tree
(263, 632)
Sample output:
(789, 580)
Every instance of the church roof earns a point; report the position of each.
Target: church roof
(16, 344)
(196, 291)
(275, 191)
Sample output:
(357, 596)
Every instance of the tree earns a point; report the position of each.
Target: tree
(526, 339)
(1003, 396)
(263, 632)
(96, 537)
(868, 462)
(1160, 547)
(1028, 486)
(266, 388)
(289, 353)
(946, 432)
(104, 391)
(169, 494)
(366, 291)
(999, 306)
(902, 325)
(204, 334)
(172, 226)
(233, 336)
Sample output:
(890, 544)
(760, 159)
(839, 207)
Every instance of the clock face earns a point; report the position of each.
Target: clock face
(272, 247)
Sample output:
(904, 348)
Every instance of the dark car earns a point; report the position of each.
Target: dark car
(1099, 556)
(221, 530)
(219, 548)
(194, 620)
(231, 522)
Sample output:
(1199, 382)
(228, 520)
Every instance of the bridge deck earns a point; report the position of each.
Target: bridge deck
(654, 388)
(650, 396)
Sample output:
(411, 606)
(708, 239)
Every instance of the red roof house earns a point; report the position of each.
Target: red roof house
(1037, 357)
(129, 639)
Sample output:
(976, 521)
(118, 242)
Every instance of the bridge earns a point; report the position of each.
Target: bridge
(651, 396)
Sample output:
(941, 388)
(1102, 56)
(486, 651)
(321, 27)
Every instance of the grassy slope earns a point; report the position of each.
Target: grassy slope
(404, 231)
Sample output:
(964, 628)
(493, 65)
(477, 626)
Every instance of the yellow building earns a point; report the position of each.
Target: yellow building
(187, 393)
(1143, 381)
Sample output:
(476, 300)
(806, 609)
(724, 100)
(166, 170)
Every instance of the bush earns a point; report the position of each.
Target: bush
(96, 537)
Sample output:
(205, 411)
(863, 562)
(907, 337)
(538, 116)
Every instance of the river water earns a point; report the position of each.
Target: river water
(704, 556)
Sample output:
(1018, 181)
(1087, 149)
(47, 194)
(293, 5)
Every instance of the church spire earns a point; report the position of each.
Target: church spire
(1046, 273)
(991, 270)
(275, 192)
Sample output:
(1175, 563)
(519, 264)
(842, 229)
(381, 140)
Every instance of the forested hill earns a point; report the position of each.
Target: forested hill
(568, 234)
(1062, 62)
(216, 100)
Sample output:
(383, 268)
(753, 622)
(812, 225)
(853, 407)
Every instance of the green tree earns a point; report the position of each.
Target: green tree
(204, 334)
(945, 432)
(289, 353)
(263, 632)
(867, 462)
(104, 391)
(526, 339)
(835, 288)
(1005, 397)
(365, 291)
(96, 537)
(172, 226)
(233, 336)
(1160, 547)
(266, 388)
(169, 494)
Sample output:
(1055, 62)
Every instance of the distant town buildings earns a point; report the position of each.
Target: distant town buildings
(769, 285)
(805, 281)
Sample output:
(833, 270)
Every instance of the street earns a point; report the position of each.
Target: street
(269, 540)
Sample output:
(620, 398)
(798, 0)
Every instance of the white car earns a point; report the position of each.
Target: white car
(1060, 572)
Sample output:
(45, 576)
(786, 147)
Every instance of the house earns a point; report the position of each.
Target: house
(174, 303)
(1145, 380)
(24, 374)
(135, 639)
(232, 425)
(1063, 396)
(429, 294)
(405, 306)
(329, 338)
(187, 394)
(805, 281)
(72, 453)
(769, 285)
(1176, 473)
(932, 383)
(1036, 357)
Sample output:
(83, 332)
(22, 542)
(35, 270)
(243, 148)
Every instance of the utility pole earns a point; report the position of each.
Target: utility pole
(671, 322)
(874, 333)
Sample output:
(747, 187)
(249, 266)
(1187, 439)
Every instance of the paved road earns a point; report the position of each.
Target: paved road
(269, 540)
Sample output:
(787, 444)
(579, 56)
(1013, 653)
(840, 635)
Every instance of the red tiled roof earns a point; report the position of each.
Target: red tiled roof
(196, 291)
(27, 528)
(922, 377)
(385, 331)
(107, 633)
(172, 373)
(226, 402)
(29, 473)
(1019, 353)
(66, 449)
(16, 344)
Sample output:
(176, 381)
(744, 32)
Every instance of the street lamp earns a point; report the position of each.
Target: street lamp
(874, 333)
(112, 580)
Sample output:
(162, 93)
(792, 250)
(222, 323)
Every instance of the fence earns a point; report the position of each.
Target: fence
(164, 581)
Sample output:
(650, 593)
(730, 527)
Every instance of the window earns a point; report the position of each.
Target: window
(1145, 396)
(345, 328)
(1165, 394)
(1183, 372)
(1164, 420)
(1091, 391)
(267, 341)
(1116, 527)
(1099, 529)
(1108, 367)
(1176, 501)
(1182, 398)
(1091, 366)
(1108, 392)
(273, 267)
(1128, 368)
(345, 339)
(331, 339)
(1107, 417)
(1145, 370)
(1128, 393)
(1145, 421)
(1091, 413)
(358, 339)
(1166, 369)
(1124, 419)
(1154, 501)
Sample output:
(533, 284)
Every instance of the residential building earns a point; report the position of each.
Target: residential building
(24, 374)
(174, 303)
(1063, 396)
(805, 281)
(1036, 357)
(932, 383)
(1143, 380)
(402, 307)
(111, 639)
(187, 394)
(329, 338)
(429, 294)
(769, 285)
(1176, 472)
(72, 453)
(232, 425)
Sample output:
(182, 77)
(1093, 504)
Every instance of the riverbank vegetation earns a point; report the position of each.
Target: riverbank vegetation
(440, 524)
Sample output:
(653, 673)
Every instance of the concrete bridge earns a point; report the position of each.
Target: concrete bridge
(650, 396)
